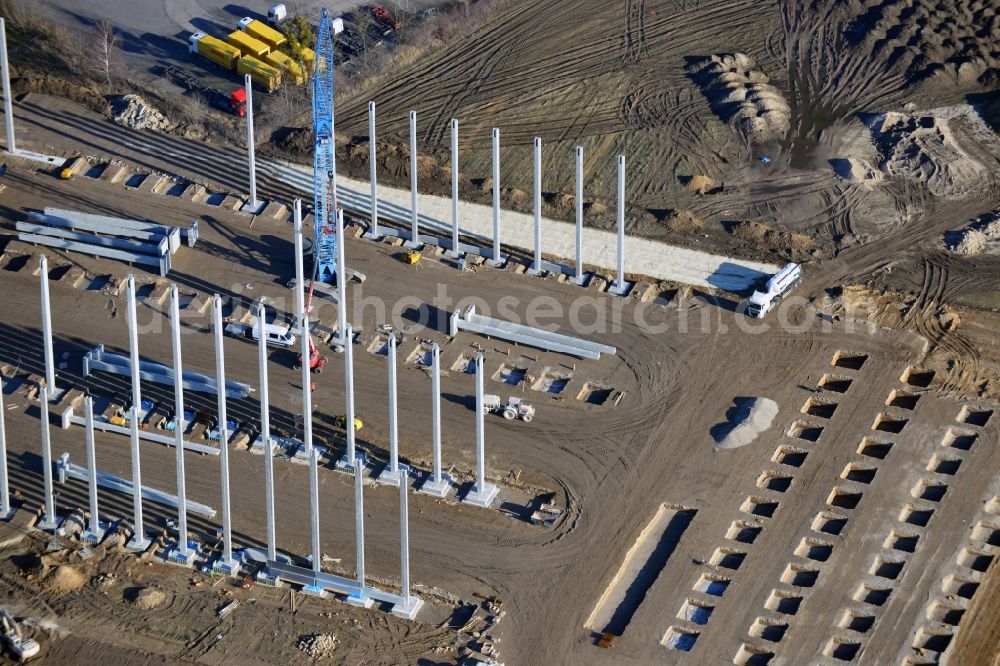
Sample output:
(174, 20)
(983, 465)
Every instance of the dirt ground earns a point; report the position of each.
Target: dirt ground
(861, 525)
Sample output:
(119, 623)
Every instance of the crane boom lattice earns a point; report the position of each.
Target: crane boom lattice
(324, 174)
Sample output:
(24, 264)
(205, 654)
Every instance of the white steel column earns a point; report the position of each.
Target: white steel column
(482, 493)
(265, 434)
(252, 206)
(438, 484)
(372, 168)
(6, 512)
(496, 196)
(537, 268)
(390, 475)
(50, 364)
(183, 551)
(341, 279)
(226, 563)
(49, 521)
(409, 604)
(454, 187)
(620, 286)
(94, 532)
(8, 102)
(414, 224)
(348, 461)
(360, 598)
(579, 215)
(139, 541)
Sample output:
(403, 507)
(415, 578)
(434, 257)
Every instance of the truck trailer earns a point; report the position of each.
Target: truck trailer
(290, 70)
(247, 45)
(264, 75)
(778, 286)
(213, 49)
(263, 32)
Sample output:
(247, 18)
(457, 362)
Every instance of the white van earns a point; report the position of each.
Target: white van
(275, 335)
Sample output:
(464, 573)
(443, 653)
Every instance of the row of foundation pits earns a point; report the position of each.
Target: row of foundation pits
(957, 589)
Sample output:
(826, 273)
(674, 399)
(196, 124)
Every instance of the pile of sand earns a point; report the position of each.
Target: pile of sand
(702, 185)
(857, 172)
(747, 419)
(317, 646)
(65, 579)
(760, 235)
(980, 237)
(134, 112)
(147, 598)
(935, 148)
(741, 94)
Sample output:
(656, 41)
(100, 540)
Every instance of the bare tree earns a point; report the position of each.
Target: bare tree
(104, 47)
(363, 21)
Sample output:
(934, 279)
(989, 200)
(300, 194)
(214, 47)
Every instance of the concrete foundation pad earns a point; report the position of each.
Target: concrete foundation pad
(359, 601)
(92, 538)
(581, 281)
(253, 207)
(390, 478)
(176, 556)
(496, 263)
(623, 290)
(315, 591)
(48, 525)
(222, 568)
(269, 579)
(368, 235)
(440, 488)
(410, 245)
(484, 497)
(344, 464)
(137, 545)
(408, 610)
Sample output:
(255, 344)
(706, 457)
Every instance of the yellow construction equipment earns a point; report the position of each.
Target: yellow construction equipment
(247, 45)
(264, 75)
(66, 173)
(412, 257)
(341, 422)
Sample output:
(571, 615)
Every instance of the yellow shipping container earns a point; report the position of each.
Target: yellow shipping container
(288, 67)
(216, 50)
(247, 45)
(264, 75)
(263, 32)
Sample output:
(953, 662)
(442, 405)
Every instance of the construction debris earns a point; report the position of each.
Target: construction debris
(317, 646)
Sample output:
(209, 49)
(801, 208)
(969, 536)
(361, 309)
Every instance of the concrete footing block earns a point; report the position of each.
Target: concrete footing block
(315, 591)
(597, 283)
(152, 183)
(159, 293)
(441, 488)
(275, 210)
(482, 497)
(75, 277)
(409, 609)
(623, 290)
(390, 478)
(222, 568)
(195, 193)
(114, 173)
(359, 601)
(644, 292)
(179, 558)
(231, 202)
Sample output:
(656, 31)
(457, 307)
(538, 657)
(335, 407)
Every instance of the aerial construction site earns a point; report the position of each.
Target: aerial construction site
(500, 332)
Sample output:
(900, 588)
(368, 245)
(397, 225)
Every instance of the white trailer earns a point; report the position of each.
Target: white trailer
(778, 286)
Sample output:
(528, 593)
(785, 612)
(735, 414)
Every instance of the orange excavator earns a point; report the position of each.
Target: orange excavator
(316, 361)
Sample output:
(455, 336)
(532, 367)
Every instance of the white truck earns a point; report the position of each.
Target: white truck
(277, 14)
(275, 335)
(515, 407)
(18, 647)
(778, 286)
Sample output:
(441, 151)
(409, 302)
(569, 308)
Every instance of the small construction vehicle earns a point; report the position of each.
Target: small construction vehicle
(515, 407)
(276, 336)
(778, 286)
(412, 257)
(316, 360)
(18, 647)
(341, 422)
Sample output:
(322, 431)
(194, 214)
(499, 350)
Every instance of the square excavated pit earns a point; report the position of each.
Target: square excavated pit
(857, 620)
(835, 383)
(466, 363)
(842, 649)
(975, 559)
(933, 640)
(135, 180)
(902, 541)
(874, 448)
(776, 481)
(944, 464)
(553, 381)
(844, 498)
(888, 423)
(594, 393)
(987, 532)
(759, 506)
(872, 593)
(805, 431)
(932, 491)
(769, 628)
(510, 374)
(961, 586)
(887, 566)
(917, 377)
(860, 472)
(822, 409)
(696, 611)
(679, 639)
(916, 515)
(814, 549)
(849, 360)
(379, 346)
(829, 523)
(959, 439)
(96, 170)
(712, 584)
(743, 531)
(800, 575)
(422, 355)
(974, 417)
(903, 400)
(945, 613)
(789, 455)
(728, 558)
(752, 655)
(215, 199)
(784, 601)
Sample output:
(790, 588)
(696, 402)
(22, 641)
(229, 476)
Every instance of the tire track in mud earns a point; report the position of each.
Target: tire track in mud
(634, 38)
